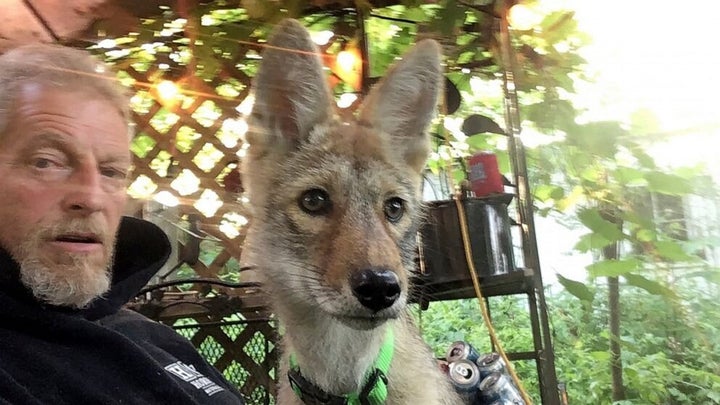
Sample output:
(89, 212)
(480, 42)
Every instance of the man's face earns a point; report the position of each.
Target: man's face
(64, 159)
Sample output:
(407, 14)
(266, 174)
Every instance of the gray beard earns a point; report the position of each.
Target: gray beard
(73, 280)
(73, 285)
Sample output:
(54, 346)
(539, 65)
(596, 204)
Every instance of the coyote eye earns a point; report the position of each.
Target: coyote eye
(394, 209)
(315, 202)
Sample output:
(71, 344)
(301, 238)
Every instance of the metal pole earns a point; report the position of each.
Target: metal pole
(545, 358)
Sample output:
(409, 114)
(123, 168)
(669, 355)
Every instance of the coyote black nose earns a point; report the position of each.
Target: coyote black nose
(376, 289)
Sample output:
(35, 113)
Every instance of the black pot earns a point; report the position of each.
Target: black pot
(442, 254)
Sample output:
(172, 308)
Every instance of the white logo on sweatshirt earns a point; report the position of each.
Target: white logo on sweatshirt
(189, 374)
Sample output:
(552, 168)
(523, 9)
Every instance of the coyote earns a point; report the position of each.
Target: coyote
(335, 216)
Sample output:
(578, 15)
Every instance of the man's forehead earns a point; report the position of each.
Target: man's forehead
(44, 113)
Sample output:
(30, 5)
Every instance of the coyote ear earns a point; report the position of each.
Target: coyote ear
(291, 93)
(404, 102)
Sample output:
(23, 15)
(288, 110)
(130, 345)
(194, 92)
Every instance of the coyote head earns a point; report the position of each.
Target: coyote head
(336, 202)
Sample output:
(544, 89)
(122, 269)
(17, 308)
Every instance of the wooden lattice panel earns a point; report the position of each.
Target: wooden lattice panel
(186, 150)
(242, 347)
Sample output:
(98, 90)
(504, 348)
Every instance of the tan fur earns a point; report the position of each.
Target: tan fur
(297, 143)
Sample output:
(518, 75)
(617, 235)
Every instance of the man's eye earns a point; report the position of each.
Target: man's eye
(44, 163)
(113, 173)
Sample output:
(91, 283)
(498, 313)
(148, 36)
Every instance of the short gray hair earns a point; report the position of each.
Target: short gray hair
(58, 67)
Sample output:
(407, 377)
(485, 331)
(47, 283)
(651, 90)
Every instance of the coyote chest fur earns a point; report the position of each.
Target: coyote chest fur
(335, 220)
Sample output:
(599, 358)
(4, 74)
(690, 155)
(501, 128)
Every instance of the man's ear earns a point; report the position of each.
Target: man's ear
(404, 103)
(290, 88)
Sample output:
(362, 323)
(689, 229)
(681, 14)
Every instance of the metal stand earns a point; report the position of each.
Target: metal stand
(543, 345)
(445, 273)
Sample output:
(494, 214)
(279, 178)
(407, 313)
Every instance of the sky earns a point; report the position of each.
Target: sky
(656, 55)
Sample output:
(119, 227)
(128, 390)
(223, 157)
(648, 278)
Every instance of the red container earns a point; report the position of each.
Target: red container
(485, 174)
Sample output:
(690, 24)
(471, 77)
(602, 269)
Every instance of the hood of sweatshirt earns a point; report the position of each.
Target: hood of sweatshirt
(141, 249)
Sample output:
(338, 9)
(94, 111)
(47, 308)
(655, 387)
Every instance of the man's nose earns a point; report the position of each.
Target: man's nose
(84, 192)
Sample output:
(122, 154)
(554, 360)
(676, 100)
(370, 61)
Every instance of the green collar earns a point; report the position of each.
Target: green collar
(373, 392)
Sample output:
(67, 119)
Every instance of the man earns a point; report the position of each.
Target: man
(68, 258)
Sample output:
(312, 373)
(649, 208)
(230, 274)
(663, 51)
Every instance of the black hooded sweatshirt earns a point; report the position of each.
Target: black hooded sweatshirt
(103, 354)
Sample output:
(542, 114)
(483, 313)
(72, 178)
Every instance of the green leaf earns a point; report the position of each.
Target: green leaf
(613, 268)
(629, 176)
(670, 184)
(653, 287)
(597, 138)
(678, 394)
(571, 199)
(577, 288)
(644, 121)
(544, 192)
(590, 217)
(434, 165)
(458, 175)
(672, 251)
(592, 174)
(239, 33)
(644, 159)
(551, 114)
(479, 142)
(645, 235)
(600, 356)
(558, 193)
(557, 25)
(591, 241)
(415, 14)
(503, 162)
(449, 16)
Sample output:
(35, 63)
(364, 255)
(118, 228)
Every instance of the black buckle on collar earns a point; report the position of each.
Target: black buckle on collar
(310, 394)
(370, 385)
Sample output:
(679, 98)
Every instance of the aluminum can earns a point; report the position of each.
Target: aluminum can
(465, 377)
(499, 387)
(490, 363)
(461, 350)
